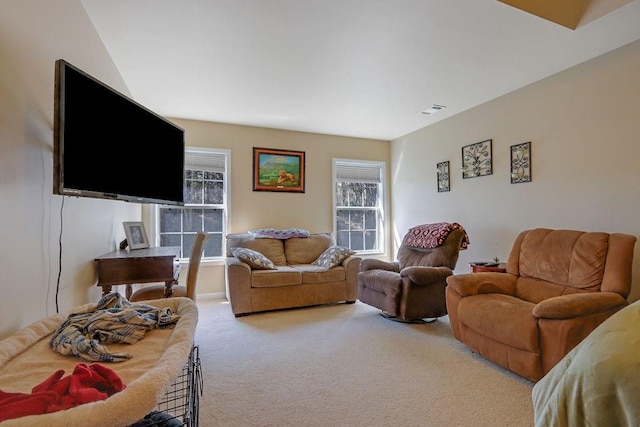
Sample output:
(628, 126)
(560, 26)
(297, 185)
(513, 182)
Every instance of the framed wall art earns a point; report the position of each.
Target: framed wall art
(521, 163)
(476, 159)
(136, 235)
(443, 177)
(278, 170)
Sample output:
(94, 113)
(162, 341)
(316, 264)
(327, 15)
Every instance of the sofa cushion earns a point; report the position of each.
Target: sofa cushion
(255, 259)
(333, 256)
(271, 248)
(306, 250)
(234, 240)
(567, 257)
(316, 274)
(281, 276)
(535, 291)
(506, 319)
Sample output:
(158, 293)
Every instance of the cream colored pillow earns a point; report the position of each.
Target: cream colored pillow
(333, 256)
(255, 259)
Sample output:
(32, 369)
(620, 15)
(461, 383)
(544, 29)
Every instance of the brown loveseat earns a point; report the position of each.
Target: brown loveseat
(559, 286)
(294, 281)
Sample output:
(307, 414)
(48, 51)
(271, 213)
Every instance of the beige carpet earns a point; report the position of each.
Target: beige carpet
(345, 365)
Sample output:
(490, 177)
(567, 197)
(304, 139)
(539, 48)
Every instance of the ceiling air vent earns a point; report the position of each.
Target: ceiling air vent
(433, 109)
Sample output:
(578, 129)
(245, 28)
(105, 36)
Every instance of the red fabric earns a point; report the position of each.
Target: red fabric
(433, 235)
(87, 383)
(15, 405)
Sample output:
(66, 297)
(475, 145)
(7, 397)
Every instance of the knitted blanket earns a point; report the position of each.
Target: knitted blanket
(428, 236)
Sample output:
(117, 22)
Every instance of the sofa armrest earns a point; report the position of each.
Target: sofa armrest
(238, 277)
(351, 262)
(352, 267)
(483, 283)
(423, 275)
(377, 264)
(575, 305)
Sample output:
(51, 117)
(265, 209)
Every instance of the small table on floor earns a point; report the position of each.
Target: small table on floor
(126, 267)
(491, 267)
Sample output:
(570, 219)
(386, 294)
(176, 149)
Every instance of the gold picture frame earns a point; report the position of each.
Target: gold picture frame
(278, 170)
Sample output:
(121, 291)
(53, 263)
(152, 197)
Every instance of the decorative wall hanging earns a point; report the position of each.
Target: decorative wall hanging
(278, 170)
(476, 159)
(521, 163)
(443, 176)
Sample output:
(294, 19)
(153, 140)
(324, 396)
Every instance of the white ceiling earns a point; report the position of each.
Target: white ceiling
(362, 68)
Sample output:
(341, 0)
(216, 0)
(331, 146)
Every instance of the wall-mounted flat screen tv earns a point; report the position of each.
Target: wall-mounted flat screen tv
(108, 146)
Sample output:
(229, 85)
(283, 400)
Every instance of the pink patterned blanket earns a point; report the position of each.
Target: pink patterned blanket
(432, 235)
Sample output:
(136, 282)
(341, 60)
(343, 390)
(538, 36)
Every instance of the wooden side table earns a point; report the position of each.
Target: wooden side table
(478, 268)
(127, 267)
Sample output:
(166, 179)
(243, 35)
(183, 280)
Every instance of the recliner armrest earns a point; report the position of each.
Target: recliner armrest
(483, 283)
(575, 305)
(377, 264)
(423, 275)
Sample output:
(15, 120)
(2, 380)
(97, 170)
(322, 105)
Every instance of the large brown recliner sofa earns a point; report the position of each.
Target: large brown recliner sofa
(295, 281)
(559, 286)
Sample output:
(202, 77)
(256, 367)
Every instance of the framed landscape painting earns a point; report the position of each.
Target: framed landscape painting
(278, 170)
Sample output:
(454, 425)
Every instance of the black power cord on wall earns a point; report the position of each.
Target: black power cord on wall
(59, 256)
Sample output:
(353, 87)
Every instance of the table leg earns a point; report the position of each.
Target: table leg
(106, 289)
(128, 291)
(168, 288)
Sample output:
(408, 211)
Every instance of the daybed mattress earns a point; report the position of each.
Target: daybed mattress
(26, 360)
(598, 382)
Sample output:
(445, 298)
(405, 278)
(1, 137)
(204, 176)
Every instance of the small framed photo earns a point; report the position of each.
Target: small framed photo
(136, 235)
(443, 176)
(278, 170)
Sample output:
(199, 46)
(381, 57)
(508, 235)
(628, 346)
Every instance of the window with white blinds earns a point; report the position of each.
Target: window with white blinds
(205, 204)
(206, 160)
(358, 204)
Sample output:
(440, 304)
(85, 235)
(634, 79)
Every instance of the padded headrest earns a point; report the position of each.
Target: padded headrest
(567, 257)
(444, 255)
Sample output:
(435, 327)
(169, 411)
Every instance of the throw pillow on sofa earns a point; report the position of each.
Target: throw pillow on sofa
(254, 258)
(333, 256)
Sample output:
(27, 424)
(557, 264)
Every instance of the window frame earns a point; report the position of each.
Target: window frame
(381, 200)
(202, 154)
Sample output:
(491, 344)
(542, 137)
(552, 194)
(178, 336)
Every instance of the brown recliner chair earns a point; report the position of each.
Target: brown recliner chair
(559, 286)
(411, 289)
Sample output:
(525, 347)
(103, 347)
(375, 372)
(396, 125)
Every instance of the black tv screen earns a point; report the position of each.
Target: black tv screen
(108, 146)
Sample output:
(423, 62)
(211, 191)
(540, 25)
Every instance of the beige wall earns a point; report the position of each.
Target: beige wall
(584, 127)
(33, 34)
(311, 210)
